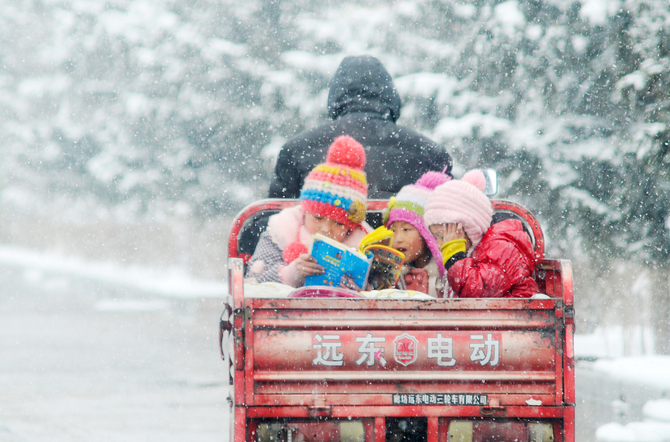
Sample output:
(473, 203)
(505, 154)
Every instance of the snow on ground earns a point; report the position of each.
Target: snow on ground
(658, 410)
(607, 346)
(173, 283)
(647, 431)
(652, 370)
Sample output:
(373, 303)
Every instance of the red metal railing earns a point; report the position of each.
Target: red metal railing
(278, 349)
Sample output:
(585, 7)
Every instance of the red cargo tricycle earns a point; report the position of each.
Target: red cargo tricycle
(310, 367)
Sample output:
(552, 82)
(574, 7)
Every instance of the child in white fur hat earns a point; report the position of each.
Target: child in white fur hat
(482, 261)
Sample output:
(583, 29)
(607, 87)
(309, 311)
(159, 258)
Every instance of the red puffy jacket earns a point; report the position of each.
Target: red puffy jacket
(500, 266)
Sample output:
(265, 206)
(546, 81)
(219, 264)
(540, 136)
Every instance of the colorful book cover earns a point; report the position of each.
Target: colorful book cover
(386, 263)
(386, 266)
(342, 264)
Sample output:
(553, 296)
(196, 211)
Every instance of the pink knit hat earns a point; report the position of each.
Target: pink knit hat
(409, 206)
(338, 188)
(462, 201)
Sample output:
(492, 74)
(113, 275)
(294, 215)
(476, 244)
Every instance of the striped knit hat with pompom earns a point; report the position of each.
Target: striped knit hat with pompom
(409, 205)
(462, 201)
(338, 188)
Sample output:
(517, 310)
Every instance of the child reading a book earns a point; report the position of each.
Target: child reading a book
(422, 270)
(482, 260)
(333, 203)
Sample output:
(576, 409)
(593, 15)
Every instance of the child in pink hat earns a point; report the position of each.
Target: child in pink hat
(332, 203)
(422, 270)
(482, 261)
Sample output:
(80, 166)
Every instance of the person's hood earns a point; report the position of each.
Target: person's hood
(362, 84)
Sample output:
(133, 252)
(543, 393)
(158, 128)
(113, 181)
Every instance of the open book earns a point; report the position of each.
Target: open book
(342, 265)
(386, 261)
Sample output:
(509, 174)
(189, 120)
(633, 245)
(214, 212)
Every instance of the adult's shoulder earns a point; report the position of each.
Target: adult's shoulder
(420, 149)
(322, 134)
(412, 138)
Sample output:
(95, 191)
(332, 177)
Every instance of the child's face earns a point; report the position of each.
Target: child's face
(409, 241)
(325, 226)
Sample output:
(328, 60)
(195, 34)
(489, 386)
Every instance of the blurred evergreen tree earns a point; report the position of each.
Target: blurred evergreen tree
(144, 106)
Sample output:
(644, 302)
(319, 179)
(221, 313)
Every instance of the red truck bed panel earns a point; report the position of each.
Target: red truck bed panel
(483, 367)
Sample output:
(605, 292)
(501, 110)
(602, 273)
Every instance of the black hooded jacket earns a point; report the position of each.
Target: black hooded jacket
(365, 105)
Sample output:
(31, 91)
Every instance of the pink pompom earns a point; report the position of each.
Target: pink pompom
(431, 179)
(346, 151)
(476, 178)
(292, 251)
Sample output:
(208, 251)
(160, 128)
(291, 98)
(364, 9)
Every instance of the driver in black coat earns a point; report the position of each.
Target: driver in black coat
(364, 104)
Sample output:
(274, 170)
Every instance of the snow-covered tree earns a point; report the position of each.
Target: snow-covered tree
(145, 108)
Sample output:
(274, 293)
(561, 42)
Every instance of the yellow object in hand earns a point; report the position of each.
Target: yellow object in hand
(453, 247)
(381, 235)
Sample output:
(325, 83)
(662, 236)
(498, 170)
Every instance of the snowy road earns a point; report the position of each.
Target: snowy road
(602, 399)
(82, 360)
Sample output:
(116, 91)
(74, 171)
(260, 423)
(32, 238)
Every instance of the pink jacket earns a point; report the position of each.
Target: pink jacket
(267, 263)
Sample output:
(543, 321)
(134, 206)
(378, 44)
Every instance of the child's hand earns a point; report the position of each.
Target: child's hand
(417, 279)
(444, 233)
(306, 265)
(347, 282)
(454, 231)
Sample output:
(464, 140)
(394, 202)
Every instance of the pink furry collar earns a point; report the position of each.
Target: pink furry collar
(285, 225)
